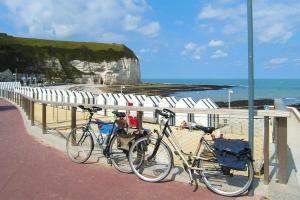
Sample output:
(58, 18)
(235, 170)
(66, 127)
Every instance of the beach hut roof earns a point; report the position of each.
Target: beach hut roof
(185, 102)
(202, 104)
(212, 103)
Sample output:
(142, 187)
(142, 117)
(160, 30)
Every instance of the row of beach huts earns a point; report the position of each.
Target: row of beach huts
(120, 99)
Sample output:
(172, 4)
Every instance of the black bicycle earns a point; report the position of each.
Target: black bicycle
(80, 141)
(225, 166)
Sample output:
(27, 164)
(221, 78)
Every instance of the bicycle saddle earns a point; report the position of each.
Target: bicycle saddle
(205, 129)
(119, 114)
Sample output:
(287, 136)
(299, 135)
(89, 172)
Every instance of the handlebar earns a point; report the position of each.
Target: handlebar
(165, 113)
(93, 109)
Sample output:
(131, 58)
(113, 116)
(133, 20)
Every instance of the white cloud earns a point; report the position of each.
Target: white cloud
(94, 18)
(219, 54)
(152, 29)
(278, 61)
(131, 22)
(297, 61)
(148, 50)
(273, 21)
(215, 43)
(193, 50)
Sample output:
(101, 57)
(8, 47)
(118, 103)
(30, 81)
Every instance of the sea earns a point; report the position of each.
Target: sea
(286, 89)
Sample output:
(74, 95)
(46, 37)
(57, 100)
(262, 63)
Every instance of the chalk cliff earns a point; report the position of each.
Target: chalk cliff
(85, 62)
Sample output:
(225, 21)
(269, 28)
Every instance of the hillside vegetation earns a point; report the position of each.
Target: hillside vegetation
(28, 55)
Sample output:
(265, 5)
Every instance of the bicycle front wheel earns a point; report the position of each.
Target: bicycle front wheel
(148, 165)
(119, 157)
(80, 145)
(225, 181)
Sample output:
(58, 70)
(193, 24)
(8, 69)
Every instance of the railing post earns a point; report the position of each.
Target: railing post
(266, 150)
(22, 102)
(139, 119)
(32, 112)
(73, 117)
(44, 118)
(28, 109)
(282, 149)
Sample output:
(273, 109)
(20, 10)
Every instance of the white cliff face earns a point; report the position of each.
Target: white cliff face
(123, 71)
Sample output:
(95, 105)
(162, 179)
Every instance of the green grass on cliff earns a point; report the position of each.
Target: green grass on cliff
(28, 55)
(94, 46)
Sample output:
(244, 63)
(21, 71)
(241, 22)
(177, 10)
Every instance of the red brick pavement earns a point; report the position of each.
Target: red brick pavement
(30, 170)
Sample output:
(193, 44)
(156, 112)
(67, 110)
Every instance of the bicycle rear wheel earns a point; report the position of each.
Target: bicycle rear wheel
(225, 181)
(119, 157)
(146, 165)
(80, 145)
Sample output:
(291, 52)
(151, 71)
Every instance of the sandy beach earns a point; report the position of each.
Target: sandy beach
(58, 119)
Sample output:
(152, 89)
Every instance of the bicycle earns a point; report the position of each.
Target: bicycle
(80, 141)
(158, 161)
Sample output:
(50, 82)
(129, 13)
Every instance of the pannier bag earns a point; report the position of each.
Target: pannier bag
(232, 153)
(124, 139)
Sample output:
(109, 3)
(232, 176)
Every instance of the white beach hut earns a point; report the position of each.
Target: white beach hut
(60, 97)
(31, 91)
(79, 99)
(72, 96)
(86, 97)
(111, 101)
(213, 118)
(168, 102)
(141, 98)
(39, 93)
(54, 95)
(91, 98)
(121, 100)
(184, 117)
(44, 94)
(134, 101)
(65, 97)
(48, 95)
(101, 100)
(34, 93)
(202, 119)
(152, 102)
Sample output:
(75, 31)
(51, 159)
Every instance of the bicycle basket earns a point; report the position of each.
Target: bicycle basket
(124, 140)
(232, 153)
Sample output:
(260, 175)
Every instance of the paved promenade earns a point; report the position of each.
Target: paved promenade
(33, 171)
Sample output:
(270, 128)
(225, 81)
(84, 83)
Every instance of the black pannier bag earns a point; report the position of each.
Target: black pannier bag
(232, 153)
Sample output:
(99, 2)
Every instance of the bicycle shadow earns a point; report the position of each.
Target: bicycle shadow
(7, 108)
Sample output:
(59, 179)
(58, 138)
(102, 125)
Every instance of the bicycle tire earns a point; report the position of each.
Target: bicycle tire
(119, 157)
(219, 186)
(79, 151)
(148, 170)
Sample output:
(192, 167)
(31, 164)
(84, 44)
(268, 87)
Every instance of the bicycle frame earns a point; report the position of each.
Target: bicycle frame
(189, 159)
(88, 129)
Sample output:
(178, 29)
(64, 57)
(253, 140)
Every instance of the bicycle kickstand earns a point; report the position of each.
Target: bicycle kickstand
(191, 177)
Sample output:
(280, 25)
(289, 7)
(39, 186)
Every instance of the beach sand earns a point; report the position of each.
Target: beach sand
(59, 119)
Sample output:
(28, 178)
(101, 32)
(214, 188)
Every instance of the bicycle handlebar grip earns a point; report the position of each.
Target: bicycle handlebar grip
(81, 106)
(169, 111)
(161, 113)
(97, 108)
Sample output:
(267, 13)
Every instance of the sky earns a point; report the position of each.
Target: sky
(190, 39)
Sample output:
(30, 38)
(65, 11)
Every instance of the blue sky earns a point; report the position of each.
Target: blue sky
(173, 39)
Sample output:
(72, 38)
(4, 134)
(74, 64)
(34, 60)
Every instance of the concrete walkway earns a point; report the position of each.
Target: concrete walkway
(31, 170)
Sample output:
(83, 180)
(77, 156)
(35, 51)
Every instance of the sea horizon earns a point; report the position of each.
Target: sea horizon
(265, 88)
